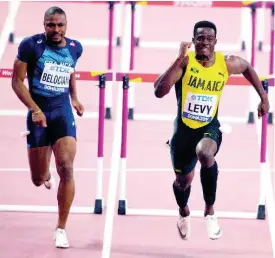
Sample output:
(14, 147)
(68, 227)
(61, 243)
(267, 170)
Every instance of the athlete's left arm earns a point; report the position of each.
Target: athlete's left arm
(72, 85)
(238, 65)
(75, 102)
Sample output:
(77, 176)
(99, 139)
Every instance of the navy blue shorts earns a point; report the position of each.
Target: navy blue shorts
(60, 123)
(183, 146)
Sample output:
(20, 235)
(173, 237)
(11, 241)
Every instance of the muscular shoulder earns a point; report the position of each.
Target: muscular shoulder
(27, 45)
(30, 41)
(230, 58)
(75, 47)
(235, 64)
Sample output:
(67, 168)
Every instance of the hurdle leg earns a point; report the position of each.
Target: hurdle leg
(117, 22)
(251, 118)
(132, 51)
(11, 36)
(122, 194)
(263, 147)
(138, 22)
(12, 9)
(8, 26)
(272, 28)
(99, 200)
(131, 103)
(108, 106)
(260, 27)
(271, 64)
(244, 25)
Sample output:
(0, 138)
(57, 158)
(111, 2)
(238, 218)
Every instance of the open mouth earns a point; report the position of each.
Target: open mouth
(56, 37)
(204, 48)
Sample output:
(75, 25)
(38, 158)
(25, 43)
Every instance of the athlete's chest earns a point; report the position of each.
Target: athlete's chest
(204, 80)
(201, 91)
(55, 67)
(58, 57)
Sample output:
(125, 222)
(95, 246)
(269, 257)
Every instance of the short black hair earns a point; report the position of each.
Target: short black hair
(204, 24)
(53, 10)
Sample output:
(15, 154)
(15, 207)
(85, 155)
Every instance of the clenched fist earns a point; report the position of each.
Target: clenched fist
(184, 46)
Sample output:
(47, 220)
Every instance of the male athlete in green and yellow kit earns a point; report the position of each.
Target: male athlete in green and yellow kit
(199, 77)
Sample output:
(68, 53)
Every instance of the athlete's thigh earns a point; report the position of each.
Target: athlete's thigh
(39, 161)
(38, 136)
(63, 136)
(182, 151)
(39, 149)
(62, 124)
(211, 140)
(64, 151)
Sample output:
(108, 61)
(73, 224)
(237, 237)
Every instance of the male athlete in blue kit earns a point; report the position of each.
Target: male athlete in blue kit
(49, 59)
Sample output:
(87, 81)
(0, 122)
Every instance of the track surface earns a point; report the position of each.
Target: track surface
(150, 176)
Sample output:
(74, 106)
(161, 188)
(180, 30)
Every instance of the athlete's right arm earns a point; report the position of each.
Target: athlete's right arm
(164, 82)
(19, 71)
(18, 76)
(24, 54)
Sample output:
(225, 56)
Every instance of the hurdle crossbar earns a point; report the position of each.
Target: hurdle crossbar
(214, 4)
(80, 75)
(235, 80)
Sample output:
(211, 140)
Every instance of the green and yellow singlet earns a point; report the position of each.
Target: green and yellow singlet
(201, 89)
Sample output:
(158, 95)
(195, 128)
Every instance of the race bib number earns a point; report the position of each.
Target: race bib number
(56, 75)
(199, 107)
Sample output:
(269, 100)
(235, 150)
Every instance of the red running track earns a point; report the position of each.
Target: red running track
(133, 236)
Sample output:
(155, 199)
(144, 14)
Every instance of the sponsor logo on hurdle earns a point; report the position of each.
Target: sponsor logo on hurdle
(193, 3)
(138, 79)
(142, 3)
(7, 73)
(93, 74)
(247, 2)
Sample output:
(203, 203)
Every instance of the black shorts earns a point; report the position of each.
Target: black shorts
(184, 142)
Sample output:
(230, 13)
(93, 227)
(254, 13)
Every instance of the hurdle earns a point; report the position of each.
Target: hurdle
(97, 77)
(123, 209)
(215, 4)
(108, 112)
(251, 115)
(7, 34)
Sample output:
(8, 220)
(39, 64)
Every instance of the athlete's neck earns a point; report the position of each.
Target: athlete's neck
(62, 43)
(206, 61)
